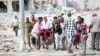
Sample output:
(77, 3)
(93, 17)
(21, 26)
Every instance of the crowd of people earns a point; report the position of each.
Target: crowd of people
(64, 34)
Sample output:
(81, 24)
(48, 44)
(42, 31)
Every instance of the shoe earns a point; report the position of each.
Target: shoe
(47, 48)
(77, 48)
(38, 48)
(30, 47)
(43, 47)
(63, 49)
(81, 54)
(29, 50)
(56, 49)
(98, 49)
(92, 48)
(70, 51)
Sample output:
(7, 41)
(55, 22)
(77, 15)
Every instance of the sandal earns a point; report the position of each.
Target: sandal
(70, 51)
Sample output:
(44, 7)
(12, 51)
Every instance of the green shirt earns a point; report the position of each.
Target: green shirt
(28, 27)
(16, 23)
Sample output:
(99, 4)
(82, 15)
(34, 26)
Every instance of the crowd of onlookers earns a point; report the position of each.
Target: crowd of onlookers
(64, 34)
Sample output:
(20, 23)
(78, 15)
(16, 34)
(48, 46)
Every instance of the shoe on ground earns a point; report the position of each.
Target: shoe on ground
(70, 51)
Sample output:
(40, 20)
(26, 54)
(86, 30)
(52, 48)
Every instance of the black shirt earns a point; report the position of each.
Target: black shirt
(57, 28)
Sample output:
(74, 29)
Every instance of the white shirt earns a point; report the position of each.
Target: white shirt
(15, 22)
(62, 26)
(46, 25)
(96, 24)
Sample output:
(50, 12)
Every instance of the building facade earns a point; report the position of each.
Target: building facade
(94, 3)
(13, 5)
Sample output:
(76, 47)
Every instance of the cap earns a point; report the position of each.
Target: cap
(94, 14)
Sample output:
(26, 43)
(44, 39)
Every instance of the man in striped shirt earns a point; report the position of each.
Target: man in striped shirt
(70, 30)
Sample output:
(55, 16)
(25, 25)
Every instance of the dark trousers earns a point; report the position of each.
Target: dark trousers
(39, 43)
(15, 29)
(54, 42)
(54, 45)
(33, 40)
(95, 40)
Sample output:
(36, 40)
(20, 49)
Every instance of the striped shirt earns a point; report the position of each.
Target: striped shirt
(70, 27)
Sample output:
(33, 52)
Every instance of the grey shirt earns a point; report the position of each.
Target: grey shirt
(95, 24)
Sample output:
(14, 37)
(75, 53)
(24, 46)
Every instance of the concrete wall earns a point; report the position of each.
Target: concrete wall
(94, 3)
(80, 3)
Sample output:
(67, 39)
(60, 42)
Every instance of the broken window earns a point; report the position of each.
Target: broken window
(15, 5)
(3, 7)
(26, 4)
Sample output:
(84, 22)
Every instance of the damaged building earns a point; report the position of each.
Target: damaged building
(13, 5)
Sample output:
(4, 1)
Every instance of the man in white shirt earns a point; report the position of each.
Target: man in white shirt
(63, 34)
(46, 24)
(95, 30)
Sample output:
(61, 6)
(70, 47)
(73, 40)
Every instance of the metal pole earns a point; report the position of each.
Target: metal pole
(9, 6)
(22, 25)
(40, 5)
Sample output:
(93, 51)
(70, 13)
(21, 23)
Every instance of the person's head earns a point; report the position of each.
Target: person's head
(79, 17)
(45, 19)
(62, 19)
(94, 14)
(40, 19)
(27, 19)
(81, 20)
(15, 16)
(55, 19)
(33, 17)
(69, 14)
(62, 14)
(59, 19)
